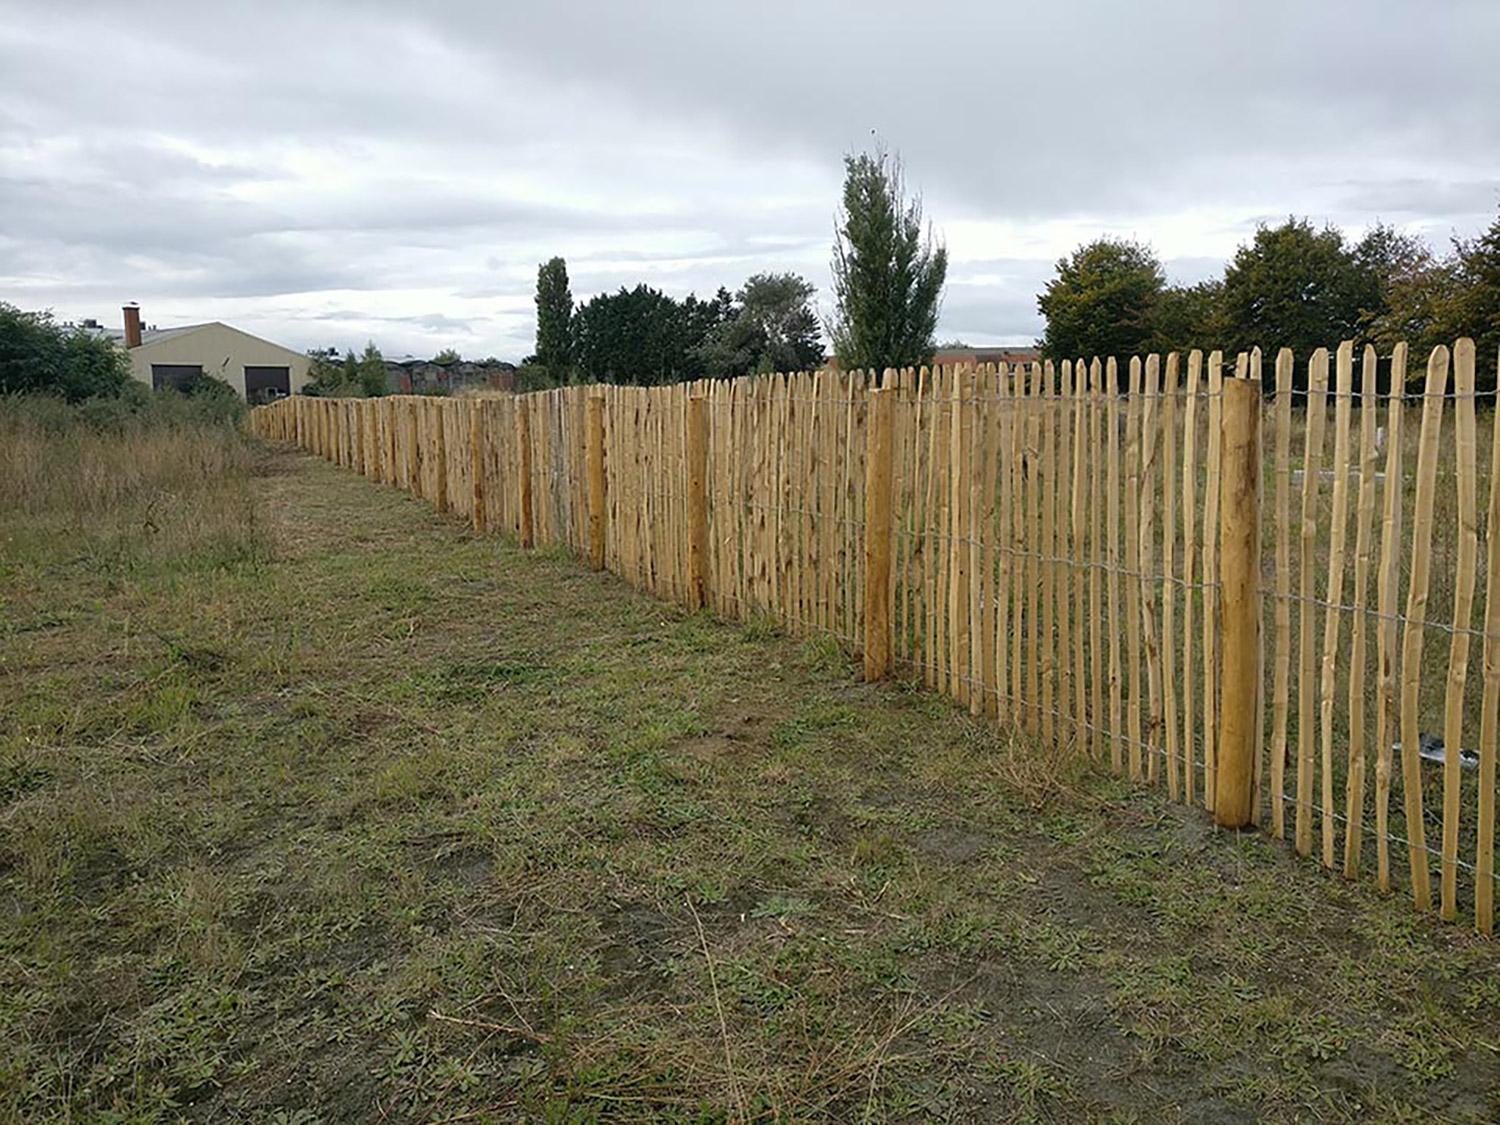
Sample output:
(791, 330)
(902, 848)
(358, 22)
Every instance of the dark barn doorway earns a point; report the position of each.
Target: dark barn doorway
(179, 376)
(266, 384)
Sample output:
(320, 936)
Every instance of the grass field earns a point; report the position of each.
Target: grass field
(314, 806)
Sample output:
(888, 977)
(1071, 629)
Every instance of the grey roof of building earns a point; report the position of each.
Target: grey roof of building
(149, 335)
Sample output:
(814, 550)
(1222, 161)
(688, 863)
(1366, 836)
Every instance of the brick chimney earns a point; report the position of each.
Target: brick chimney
(132, 325)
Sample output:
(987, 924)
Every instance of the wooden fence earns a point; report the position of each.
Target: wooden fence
(1106, 556)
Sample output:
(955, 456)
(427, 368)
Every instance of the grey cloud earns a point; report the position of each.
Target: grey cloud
(444, 150)
(436, 322)
(1424, 197)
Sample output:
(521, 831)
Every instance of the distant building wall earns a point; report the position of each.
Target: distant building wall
(423, 376)
(1000, 354)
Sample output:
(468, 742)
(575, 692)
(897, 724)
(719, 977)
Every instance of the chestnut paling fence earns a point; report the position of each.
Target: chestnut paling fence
(1284, 606)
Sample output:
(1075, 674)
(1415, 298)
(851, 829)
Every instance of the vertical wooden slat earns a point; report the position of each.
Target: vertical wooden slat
(1145, 496)
(828, 423)
(696, 455)
(1354, 802)
(1465, 566)
(1168, 573)
(1112, 546)
(1021, 561)
(1078, 560)
(932, 547)
(785, 452)
(415, 433)
(1239, 599)
(477, 513)
(1312, 466)
(958, 554)
(527, 530)
(1333, 614)
(920, 548)
(974, 469)
(946, 390)
(1211, 577)
(877, 616)
(1060, 550)
(1044, 546)
(1281, 691)
(1489, 711)
(849, 588)
(1033, 546)
(987, 464)
(1096, 562)
(440, 456)
(806, 489)
(1190, 587)
(1388, 580)
(1132, 501)
(1005, 416)
(905, 499)
(1260, 654)
(1416, 622)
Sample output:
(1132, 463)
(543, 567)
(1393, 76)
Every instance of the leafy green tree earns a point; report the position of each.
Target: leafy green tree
(1295, 287)
(328, 375)
(1102, 301)
(1188, 316)
(1381, 257)
(772, 327)
(447, 356)
(887, 274)
(1420, 305)
(778, 307)
(1426, 300)
(633, 336)
(643, 336)
(1477, 304)
(371, 372)
(40, 356)
(554, 316)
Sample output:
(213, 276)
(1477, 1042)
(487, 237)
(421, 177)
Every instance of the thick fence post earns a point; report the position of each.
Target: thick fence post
(413, 429)
(476, 465)
(1239, 599)
(878, 534)
(440, 452)
(697, 501)
(525, 532)
(594, 458)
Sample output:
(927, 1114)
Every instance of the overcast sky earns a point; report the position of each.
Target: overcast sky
(324, 173)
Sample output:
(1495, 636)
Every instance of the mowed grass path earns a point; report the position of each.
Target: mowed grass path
(391, 821)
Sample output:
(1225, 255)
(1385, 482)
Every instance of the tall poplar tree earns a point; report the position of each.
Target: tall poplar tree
(554, 319)
(887, 273)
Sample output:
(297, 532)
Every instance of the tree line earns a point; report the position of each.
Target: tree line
(888, 274)
(644, 336)
(1292, 285)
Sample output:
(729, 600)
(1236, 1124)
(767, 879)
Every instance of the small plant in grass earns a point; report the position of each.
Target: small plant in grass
(761, 627)
(824, 656)
(1030, 1084)
(782, 906)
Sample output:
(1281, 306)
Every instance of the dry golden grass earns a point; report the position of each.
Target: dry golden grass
(136, 489)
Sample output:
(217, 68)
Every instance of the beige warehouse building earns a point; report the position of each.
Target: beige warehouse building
(258, 369)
